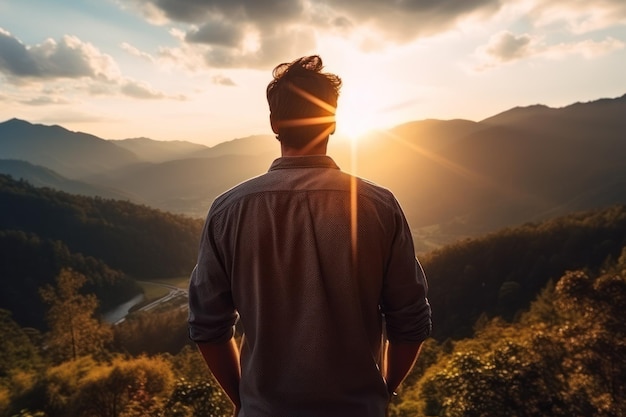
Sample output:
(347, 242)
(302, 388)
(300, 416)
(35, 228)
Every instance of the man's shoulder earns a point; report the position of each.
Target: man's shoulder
(238, 192)
(375, 191)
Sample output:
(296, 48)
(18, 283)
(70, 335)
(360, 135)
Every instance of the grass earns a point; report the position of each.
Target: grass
(180, 282)
(153, 291)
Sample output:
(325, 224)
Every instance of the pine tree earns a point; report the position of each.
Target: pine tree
(74, 331)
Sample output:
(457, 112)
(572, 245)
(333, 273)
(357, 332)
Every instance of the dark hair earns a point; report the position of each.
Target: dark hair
(302, 101)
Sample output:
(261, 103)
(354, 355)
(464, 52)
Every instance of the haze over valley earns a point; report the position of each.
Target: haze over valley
(454, 178)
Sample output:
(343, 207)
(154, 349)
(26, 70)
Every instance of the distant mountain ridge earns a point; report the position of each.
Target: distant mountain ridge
(150, 150)
(71, 154)
(44, 177)
(454, 178)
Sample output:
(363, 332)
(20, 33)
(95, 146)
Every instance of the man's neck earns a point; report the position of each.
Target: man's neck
(319, 149)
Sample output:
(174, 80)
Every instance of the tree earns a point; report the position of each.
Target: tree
(596, 339)
(197, 399)
(18, 351)
(123, 387)
(152, 332)
(74, 331)
(564, 357)
(196, 393)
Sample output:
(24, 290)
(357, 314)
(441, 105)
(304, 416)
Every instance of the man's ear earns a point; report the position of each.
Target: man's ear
(334, 126)
(274, 124)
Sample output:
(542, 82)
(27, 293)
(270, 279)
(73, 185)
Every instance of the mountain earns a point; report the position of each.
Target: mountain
(142, 242)
(71, 154)
(185, 185)
(150, 150)
(43, 177)
(454, 178)
(525, 164)
(251, 145)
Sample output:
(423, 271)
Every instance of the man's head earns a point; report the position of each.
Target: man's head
(302, 101)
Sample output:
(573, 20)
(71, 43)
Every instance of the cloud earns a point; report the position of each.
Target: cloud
(222, 80)
(14, 57)
(67, 58)
(45, 101)
(579, 16)
(260, 33)
(216, 32)
(505, 47)
(69, 116)
(136, 52)
(588, 48)
(140, 90)
(70, 59)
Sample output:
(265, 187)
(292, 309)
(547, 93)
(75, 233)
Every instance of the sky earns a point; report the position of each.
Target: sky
(196, 70)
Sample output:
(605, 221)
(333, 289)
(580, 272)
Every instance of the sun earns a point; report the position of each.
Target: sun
(356, 113)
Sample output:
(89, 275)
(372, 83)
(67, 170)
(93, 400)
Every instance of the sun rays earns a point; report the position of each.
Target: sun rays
(476, 178)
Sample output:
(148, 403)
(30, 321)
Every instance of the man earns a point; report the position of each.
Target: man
(312, 261)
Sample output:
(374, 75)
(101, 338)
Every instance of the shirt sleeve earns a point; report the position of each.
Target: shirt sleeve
(404, 301)
(212, 313)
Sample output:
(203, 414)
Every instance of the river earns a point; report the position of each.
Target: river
(121, 311)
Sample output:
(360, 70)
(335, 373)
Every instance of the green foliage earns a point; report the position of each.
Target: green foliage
(28, 262)
(196, 399)
(74, 331)
(572, 364)
(152, 332)
(20, 363)
(196, 393)
(123, 387)
(18, 351)
(507, 379)
(501, 273)
(596, 339)
(143, 242)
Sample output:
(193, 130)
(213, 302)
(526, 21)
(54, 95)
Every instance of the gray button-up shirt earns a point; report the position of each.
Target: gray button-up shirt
(312, 261)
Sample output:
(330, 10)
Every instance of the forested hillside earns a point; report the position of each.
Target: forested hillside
(563, 357)
(501, 273)
(111, 242)
(138, 240)
(29, 262)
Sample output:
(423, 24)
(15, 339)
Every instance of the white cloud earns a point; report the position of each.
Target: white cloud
(45, 101)
(140, 90)
(136, 52)
(223, 80)
(187, 57)
(588, 48)
(579, 16)
(67, 58)
(505, 47)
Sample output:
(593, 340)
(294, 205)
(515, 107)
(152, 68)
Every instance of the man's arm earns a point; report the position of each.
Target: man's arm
(399, 359)
(223, 361)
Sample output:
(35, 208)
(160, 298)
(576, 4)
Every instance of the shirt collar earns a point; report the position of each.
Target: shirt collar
(306, 161)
